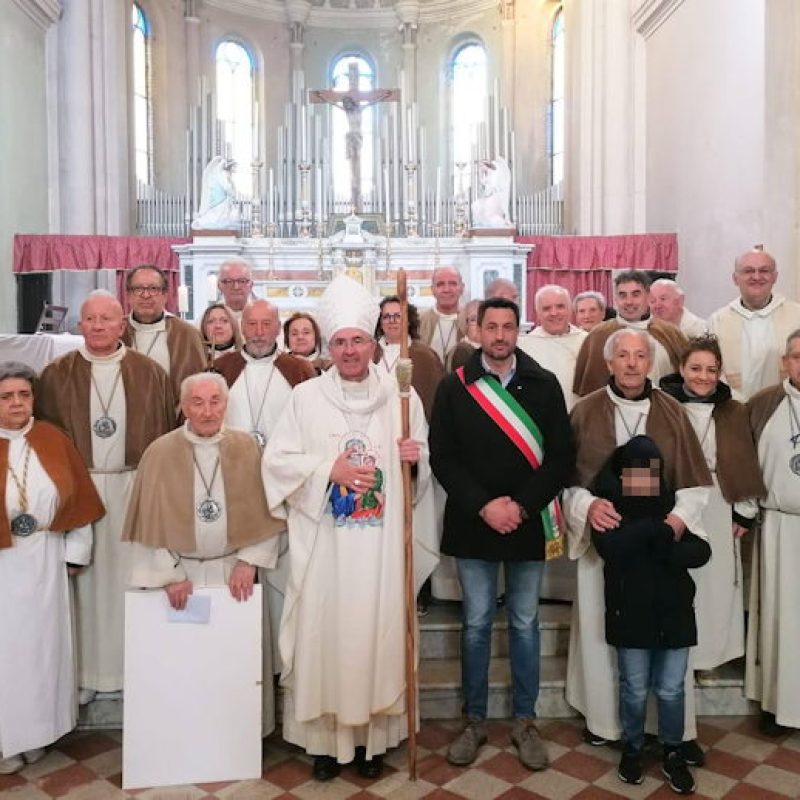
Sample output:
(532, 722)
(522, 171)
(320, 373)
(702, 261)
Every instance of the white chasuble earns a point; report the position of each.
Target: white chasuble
(150, 339)
(100, 589)
(343, 627)
(719, 600)
(772, 676)
(212, 561)
(38, 703)
(592, 684)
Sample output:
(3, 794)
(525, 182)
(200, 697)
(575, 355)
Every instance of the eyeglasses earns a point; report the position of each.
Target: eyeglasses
(390, 317)
(141, 291)
(343, 344)
(235, 282)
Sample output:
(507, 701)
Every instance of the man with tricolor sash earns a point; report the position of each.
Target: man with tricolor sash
(501, 447)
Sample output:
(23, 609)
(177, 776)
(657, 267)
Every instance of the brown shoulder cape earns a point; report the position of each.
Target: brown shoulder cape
(187, 353)
(667, 425)
(738, 470)
(62, 397)
(461, 354)
(78, 501)
(426, 374)
(161, 509)
(591, 371)
(761, 406)
(295, 370)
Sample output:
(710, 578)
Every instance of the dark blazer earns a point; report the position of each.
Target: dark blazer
(476, 462)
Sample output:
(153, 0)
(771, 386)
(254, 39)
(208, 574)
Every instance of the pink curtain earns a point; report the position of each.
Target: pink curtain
(581, 263)
(52, 253)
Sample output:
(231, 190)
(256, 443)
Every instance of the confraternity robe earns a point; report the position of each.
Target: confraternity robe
(752, 342)
(441, 332)
(691, 325)
(772, 676)
(343, 627)
(72, 393)
(176, 346)
(591, 370)
(37, 670)
(601, 422)
(463, 352)
(170, 543)
(250, 381)
(722, 428)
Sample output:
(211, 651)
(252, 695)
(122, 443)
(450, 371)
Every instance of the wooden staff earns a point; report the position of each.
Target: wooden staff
(403, 373)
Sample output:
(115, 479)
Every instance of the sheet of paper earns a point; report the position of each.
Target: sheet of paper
(197, 611)
(192, 692)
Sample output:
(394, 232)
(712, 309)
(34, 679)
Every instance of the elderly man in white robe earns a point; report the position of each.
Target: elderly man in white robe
(235, 283)
(333, 466)
(607, 418)
(772, 676)
(214, 472)
(752, 329)
(668, 303)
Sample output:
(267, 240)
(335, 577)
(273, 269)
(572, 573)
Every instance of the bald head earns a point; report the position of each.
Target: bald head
(754, 274)
(502, 287)
(666, 301)
(260, 327)
(102, 323)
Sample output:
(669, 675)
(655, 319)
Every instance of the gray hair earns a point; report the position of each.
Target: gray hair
(550, 287)
(667, 283)
(469, 308)
(590, 295)
(96, 294)
(500, 283)
(611, 343)
(189, 382)
(238, 261)
(795, 334)
(16, 369)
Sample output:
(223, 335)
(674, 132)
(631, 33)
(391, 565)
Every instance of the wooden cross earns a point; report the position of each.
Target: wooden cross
(353, 102)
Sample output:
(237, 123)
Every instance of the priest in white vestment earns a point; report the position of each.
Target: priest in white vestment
(198, 513)
(604, 420)
(333, 467)
(752, 329)
(554, 344)
(668, 303)
(112, 402)
(772, 676)
(48, 501)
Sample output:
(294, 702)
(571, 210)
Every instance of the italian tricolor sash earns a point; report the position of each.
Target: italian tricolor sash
(515, 422)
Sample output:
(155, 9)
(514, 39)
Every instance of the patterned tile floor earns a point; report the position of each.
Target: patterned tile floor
(741, 765)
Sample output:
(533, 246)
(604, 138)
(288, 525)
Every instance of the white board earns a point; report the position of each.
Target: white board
(192, 692)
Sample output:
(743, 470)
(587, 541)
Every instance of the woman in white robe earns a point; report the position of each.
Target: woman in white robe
(38, 692)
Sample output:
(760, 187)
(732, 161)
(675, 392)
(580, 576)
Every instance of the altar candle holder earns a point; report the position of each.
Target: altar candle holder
(387, 267)
(304, 209)
(272, 230)
(461, 205)
(411, 208)
(256, 231)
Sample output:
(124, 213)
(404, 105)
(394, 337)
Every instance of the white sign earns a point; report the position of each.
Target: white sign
(192, 691)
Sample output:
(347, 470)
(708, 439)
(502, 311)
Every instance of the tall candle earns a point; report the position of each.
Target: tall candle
(386, 194)
(183, 299)
(438, 194)
(211, 286)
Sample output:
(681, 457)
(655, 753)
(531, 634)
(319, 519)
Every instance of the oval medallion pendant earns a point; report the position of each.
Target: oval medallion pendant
(24, 524)
(209, 510)
(104, 427)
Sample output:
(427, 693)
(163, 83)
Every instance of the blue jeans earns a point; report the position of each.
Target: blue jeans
(663, 671)
(478, 580)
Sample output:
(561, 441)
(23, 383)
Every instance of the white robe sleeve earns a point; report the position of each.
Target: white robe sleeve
(746, 508)
(153, 567)
(575, 504)
(78, 545)
(689, 506)
(262, 554)
(292, 476)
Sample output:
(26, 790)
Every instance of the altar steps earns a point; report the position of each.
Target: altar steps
(440, 673)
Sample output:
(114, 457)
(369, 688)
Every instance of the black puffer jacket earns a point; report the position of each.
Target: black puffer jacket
(648, 591)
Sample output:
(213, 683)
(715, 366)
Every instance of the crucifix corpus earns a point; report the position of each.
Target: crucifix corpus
(353, 102)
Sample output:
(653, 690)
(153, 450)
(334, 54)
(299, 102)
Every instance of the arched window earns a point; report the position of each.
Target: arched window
(235, 104)
(468, 68)
(340, 126)
(142, 98)
(556, 121)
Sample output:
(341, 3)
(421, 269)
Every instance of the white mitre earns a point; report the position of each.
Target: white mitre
(345, 303)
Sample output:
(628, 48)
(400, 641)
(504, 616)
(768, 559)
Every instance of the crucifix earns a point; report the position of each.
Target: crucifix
(353, 102)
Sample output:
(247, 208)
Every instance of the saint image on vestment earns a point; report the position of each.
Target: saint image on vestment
(351, 508)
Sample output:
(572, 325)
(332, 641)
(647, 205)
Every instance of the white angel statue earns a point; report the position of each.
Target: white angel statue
(218, 206)
(491, 210)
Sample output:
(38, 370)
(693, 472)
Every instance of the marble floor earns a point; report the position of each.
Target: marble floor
(741, 765)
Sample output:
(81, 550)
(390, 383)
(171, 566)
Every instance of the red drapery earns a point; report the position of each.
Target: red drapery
(47, 253)
(581, 263)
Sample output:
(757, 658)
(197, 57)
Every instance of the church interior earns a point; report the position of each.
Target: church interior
(324, 137)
